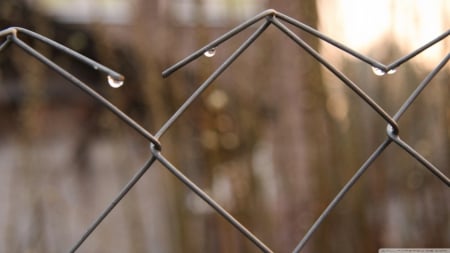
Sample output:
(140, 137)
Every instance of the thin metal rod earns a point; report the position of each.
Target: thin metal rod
(421, 87)
(6, 43)
(337, 73)
(211, 78)
(406, 58)
(403, 109)
(354, 53)
(341, 194)
(421, 159)
(308, 29)
(219, 209)
(88, 90)
(377, 153)
(331, 41)
(95, 65)
(114, 203)
(217, 42)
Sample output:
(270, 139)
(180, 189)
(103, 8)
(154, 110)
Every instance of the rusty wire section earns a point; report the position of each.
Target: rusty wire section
(267, 18)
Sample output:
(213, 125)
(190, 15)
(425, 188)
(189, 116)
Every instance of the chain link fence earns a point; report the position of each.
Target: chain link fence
(265, 19)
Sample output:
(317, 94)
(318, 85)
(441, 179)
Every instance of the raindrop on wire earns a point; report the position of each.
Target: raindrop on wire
(210, 53)
(391, 71)
(378, 72)
(113, 82)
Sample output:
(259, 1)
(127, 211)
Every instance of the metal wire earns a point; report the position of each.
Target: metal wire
(5, 44)
(217, 42)
(211, 78)
(392, 123)
(337, 73)
(270, 17)
(403, 109)
(219, 209)
(12, 37)
(341, 194)
(113, 203)
(391, 137)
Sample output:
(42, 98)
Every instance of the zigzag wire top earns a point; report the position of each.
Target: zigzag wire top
(271, 17)
(271, 13)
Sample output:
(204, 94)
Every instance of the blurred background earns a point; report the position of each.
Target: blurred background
(273, 140)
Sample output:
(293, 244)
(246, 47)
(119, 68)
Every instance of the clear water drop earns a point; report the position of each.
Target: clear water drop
(115, 83)
(378, 72)
(391, 71)
(210, 53)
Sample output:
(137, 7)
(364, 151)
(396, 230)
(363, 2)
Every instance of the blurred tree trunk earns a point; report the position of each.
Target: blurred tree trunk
(299, 126)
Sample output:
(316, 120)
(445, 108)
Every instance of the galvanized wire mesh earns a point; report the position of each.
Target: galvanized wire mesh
(266, 18)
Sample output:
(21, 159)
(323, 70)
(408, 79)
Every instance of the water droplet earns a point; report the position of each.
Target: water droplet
(391, 71)
(115, 83)
(378, 72)
(210, 53)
